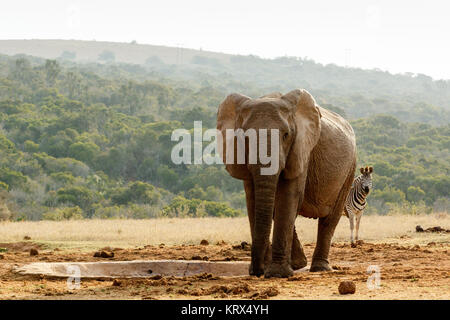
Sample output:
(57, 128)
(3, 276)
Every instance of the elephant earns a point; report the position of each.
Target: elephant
(316, 165)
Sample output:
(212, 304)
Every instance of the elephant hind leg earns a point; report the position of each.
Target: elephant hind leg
(298, 258)
(327, 225)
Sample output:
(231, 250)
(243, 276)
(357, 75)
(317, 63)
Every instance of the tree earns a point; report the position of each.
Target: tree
(415, 194)
(79, 196)
(13, 178)
(389, 194)
(213, 194)
(52, 70)
(196, 193)
(5, 214)
(63, 177)
(218, 209)
(166, 176)
(30, 146)
(6, 144)
(154, 61)
(107, 56)
(68, 55)
(22, 70)
(136, 192)
(84, 151)
(181, 207)
(57, 145)
(72, 82)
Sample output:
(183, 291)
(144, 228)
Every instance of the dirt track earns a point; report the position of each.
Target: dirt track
(407, 272)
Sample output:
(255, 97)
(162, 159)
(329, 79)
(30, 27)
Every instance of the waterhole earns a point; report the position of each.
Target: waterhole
(134, 269)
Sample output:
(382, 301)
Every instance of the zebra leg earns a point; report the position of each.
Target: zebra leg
(298, 258)
(358, 220)
(351, 218)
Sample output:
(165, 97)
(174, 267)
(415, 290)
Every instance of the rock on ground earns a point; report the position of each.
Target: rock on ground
(347, 287)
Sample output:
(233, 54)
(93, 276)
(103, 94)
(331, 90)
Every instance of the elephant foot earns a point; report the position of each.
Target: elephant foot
(279, 271)
(258, 272)
(298, 261)
(320, 265)
(255, 271)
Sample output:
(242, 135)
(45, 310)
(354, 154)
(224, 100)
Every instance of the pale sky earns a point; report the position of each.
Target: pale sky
(398, 36)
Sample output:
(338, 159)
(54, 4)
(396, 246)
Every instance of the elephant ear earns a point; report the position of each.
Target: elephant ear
(227, 119)
(307, 131)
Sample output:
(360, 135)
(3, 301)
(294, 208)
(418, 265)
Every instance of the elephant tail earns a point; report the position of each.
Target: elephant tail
(344, 212)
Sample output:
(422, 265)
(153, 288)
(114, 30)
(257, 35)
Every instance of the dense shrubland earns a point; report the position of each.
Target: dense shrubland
(94, 140)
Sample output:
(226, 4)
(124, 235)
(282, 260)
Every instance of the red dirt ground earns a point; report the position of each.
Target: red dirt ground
(412, 272)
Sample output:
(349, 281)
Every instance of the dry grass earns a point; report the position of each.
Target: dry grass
(128, 233)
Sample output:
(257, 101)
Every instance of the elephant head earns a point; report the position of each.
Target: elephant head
(296, 117)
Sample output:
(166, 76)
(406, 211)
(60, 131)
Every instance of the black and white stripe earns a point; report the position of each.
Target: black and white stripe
(356, 199)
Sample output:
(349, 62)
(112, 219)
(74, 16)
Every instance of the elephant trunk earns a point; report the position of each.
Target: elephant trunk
(265, 190)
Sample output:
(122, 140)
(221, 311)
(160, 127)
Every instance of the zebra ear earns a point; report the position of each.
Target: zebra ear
(361, 170)
(370, 169)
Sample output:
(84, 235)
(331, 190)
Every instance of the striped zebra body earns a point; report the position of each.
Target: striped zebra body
(356, 200)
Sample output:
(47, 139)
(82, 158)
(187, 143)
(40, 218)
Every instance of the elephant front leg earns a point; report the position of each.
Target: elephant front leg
(250, 200)
(286, 205)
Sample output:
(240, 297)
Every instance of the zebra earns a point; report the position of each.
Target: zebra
(356, 200)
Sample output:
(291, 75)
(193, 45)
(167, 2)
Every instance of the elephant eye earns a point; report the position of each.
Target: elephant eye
(285, 136)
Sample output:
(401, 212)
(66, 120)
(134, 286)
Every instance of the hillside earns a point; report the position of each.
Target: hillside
(354, 92)
(88, 51)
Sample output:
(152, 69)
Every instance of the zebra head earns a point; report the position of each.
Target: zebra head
(366, 179)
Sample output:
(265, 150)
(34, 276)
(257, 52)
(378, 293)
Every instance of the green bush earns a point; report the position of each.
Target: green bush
(136, 192)
(73, 213)
(388, 195)
(182, 207)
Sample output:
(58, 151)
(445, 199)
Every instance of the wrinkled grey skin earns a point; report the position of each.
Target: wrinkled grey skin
(316, 164)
